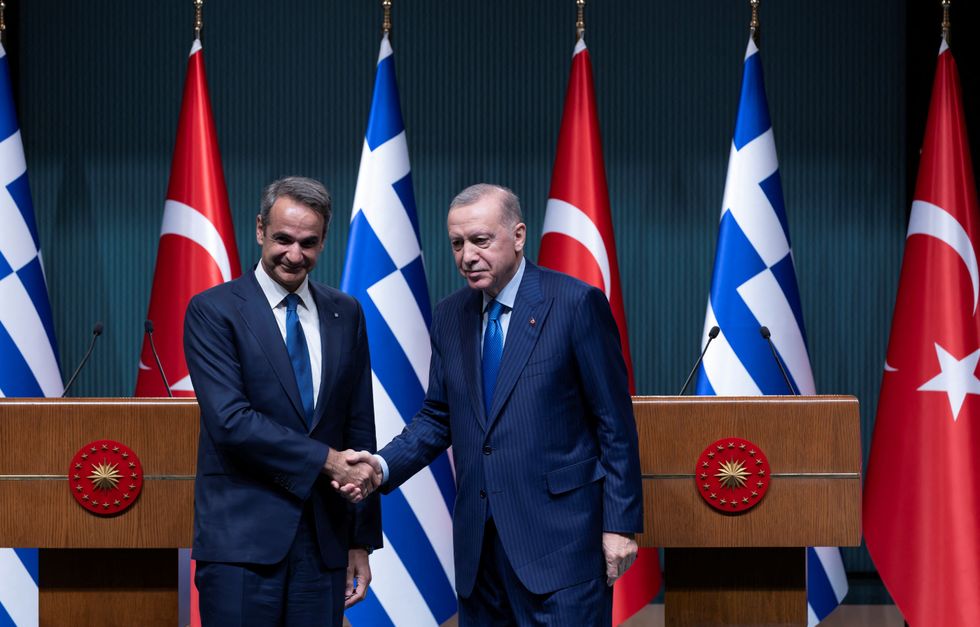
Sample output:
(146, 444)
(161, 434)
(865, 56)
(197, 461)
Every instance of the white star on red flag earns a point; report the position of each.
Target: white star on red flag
(957, 378)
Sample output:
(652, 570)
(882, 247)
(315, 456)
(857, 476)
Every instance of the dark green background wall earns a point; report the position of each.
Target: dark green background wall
(482, 87)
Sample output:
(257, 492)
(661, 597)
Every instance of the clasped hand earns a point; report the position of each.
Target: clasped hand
(354, 474)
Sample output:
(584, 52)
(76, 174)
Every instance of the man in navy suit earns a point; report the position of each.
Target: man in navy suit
(528, 384)
(282, 375)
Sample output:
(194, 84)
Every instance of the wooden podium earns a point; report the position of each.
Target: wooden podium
(748, 568)
(119, 570)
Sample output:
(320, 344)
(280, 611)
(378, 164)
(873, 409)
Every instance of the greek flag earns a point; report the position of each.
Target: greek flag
(413, 574)
(754, 284)
(29, 362)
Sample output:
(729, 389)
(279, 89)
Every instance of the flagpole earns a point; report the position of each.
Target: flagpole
(754, 26)
(386, 23)
(945, 4)
(3, 23)
(580, 20)
(198, 18)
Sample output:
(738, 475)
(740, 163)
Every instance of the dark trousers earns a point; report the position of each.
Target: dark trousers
(299, 591)
(499, 598)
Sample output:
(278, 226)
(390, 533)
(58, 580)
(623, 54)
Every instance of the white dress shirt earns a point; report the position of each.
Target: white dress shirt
(308, 319)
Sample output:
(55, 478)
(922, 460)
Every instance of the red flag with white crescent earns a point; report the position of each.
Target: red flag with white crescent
(197, 250)
(578, 239)
(197, 240)
(922, 492)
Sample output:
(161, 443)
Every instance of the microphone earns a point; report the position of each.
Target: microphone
(148, 326)
(96, 332)
(712, 334)
(764, 331)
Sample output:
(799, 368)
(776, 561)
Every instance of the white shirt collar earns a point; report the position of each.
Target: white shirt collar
(275, 293)
(508, 295)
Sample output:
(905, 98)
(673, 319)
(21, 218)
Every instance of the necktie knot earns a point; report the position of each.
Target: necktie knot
(292, 301)
(494, 310)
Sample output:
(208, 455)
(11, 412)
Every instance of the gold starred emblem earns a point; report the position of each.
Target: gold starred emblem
(99, 475)
(732, 474)
(105, 476)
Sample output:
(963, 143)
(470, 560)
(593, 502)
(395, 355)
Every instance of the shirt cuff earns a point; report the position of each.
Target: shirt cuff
(384, 468)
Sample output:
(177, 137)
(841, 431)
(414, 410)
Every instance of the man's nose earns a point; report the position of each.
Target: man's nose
(294, 253)
(469, 253)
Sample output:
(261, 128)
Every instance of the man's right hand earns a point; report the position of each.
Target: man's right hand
(355, 474)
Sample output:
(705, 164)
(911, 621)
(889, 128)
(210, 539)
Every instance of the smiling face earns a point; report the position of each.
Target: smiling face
(487, 248)
(291, 241)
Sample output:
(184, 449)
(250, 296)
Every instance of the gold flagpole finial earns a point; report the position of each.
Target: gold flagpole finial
(946, 4)
(580, 20)
(198, 18)
(3, 23)
(386, 25)
(754, 23)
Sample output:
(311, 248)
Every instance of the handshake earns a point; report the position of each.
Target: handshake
(354, 474)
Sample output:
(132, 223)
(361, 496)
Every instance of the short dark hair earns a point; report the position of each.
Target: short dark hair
(510, 204)
(305, 191)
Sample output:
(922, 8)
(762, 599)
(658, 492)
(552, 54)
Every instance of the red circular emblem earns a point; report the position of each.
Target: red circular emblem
(732, 475)
(105, 477)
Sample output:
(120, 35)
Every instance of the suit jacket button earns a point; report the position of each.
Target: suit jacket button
(483, 494)
(487, 450)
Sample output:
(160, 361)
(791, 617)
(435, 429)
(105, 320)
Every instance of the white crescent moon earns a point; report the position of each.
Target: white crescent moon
(929, 219)
(567, 219)
(180, 219)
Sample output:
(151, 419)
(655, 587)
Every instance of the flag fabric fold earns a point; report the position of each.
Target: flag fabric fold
(578, 239)
(197, 251)
(922, 490)
(414, 572)
(29, 366)
(754, 284)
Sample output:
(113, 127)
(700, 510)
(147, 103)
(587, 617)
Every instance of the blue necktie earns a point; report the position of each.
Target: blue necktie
(299, 355)
(493, 348)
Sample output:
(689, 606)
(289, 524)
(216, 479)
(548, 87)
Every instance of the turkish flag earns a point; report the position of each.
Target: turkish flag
(197, 248)
(578, 239)
(197, 240)
(922, 492)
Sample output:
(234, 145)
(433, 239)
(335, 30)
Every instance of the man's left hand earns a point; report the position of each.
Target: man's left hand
(620, 552)
(358, 569)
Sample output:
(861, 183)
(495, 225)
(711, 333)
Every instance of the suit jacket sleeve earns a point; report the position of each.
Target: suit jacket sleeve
(286, 457)
(606, 388)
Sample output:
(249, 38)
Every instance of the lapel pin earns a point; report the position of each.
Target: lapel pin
(336, 315)
(532, 322)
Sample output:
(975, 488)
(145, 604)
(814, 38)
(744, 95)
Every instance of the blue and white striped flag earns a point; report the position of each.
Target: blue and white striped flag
(754, 284)
(413, 574)
(28, 351)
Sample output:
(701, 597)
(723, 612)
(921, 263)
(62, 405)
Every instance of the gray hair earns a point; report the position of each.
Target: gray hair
(303, 190)
(510, 205)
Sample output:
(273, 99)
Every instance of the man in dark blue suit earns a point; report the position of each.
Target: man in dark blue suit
(282, 375)
(528, 384)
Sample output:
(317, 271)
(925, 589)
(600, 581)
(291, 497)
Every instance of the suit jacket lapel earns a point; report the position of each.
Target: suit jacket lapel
(331, 347)
(522, 335)
(470, 337)
(257, 314)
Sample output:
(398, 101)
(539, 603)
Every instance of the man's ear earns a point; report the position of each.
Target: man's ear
(520, 236)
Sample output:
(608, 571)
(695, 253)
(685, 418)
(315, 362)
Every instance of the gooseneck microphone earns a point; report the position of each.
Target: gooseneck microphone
(712, 334)
(96, 332)
(764, 331)
(148, 327)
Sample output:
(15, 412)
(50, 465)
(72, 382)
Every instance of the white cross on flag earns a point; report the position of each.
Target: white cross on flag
(922, 493)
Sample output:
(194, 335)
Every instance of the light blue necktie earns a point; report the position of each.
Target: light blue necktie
(299, 355)
(493, 348)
